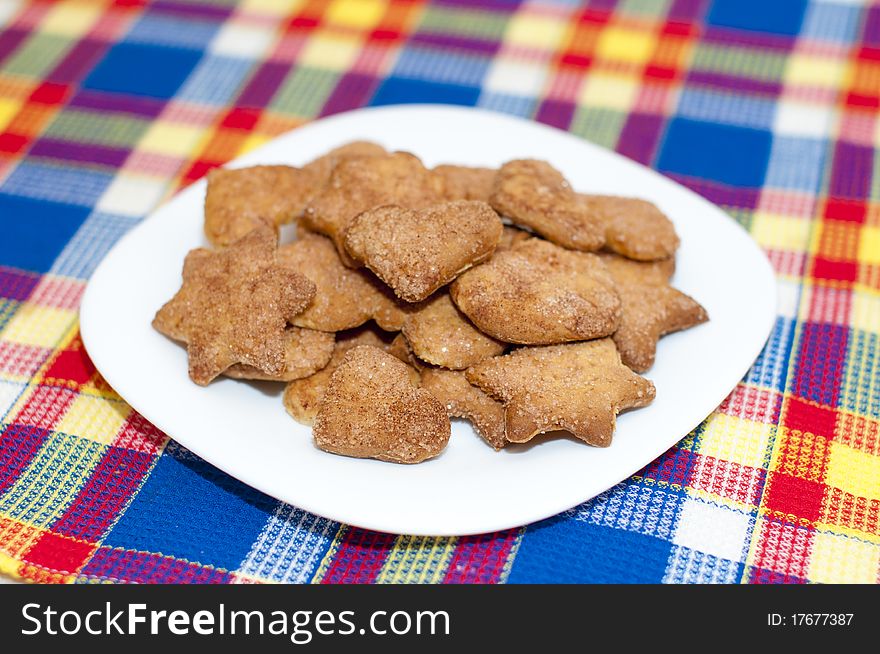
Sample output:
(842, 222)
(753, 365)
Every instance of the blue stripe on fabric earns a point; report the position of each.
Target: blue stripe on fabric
(521, 106)
(727, 108)
(796, 164)
(687, 566)
(63, 184)
(190, 510)
(441, 66)
(216, 80)
(94, 238)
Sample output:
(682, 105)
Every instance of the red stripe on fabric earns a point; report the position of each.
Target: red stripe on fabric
(108, 489)
(51, 94)
(59, 554)
(12, 143)
(138, 434)
(852, 511)
(71, 366)
(360, 556)
(727, 479)
(19, 445)
(752, 403)
(842, 271)
(147, 567)
(846, 210)
(480, 559)
(794, 498)
(809, 417)
(783, 548)
(45, 407)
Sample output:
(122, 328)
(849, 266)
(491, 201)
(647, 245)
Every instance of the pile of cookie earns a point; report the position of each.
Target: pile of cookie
(412, 295)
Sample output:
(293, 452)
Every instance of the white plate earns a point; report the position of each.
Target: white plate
(243, 429)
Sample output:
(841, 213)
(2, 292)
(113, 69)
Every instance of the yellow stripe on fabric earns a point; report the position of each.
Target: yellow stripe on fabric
(37, 325)
(853, 471)
(730, 438)
(869, 245)
(17, 537)
(417, 560)
(511, 556)
(97, 419)
(73, 18)
(51, 481)
(332, 551)
(839, 559)
(9, 566)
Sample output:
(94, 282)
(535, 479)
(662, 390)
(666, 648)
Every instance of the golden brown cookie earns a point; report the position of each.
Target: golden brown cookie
(302, 396)
(533, 194)
(650, 308)
(234, 306)
(361, 183)
(416, 252)
(373, 410)
(578, 387)
(466, 182)
(308, 351)
(538, 293)
(510, 237)
(238, 200)
(440, 334)
(634, 228)
(464, 400)
(344, 298)
(323, 166)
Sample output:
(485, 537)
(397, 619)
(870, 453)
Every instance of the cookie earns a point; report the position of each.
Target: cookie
(464, 400)
(465, 182)
(510, 237)
(238, 200)
(234, 306)
(344, 298)
(416, 252)
(634, 228)
(302, 396)
(535, 195)
(308, 351)
(373, 410)
(438, 333)
(650, 308)
(361, 183)
(577, 387)
(322, 167)
(538, 293)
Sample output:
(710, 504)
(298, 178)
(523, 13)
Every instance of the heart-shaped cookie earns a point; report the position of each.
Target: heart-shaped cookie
(372, 409)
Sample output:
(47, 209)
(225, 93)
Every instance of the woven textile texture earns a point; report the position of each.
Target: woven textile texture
(769, 109)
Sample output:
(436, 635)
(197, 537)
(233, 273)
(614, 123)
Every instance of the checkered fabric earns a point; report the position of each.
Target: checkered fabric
(769, 109)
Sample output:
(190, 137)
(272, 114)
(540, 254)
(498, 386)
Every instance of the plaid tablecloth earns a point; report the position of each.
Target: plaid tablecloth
(768, 108)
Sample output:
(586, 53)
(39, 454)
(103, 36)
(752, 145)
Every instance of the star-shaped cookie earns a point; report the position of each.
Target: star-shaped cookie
(308, 351)
(234, 306)
(650, 308)
(237, 200)
(537, 293)
(464, 400)
(577, 387)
